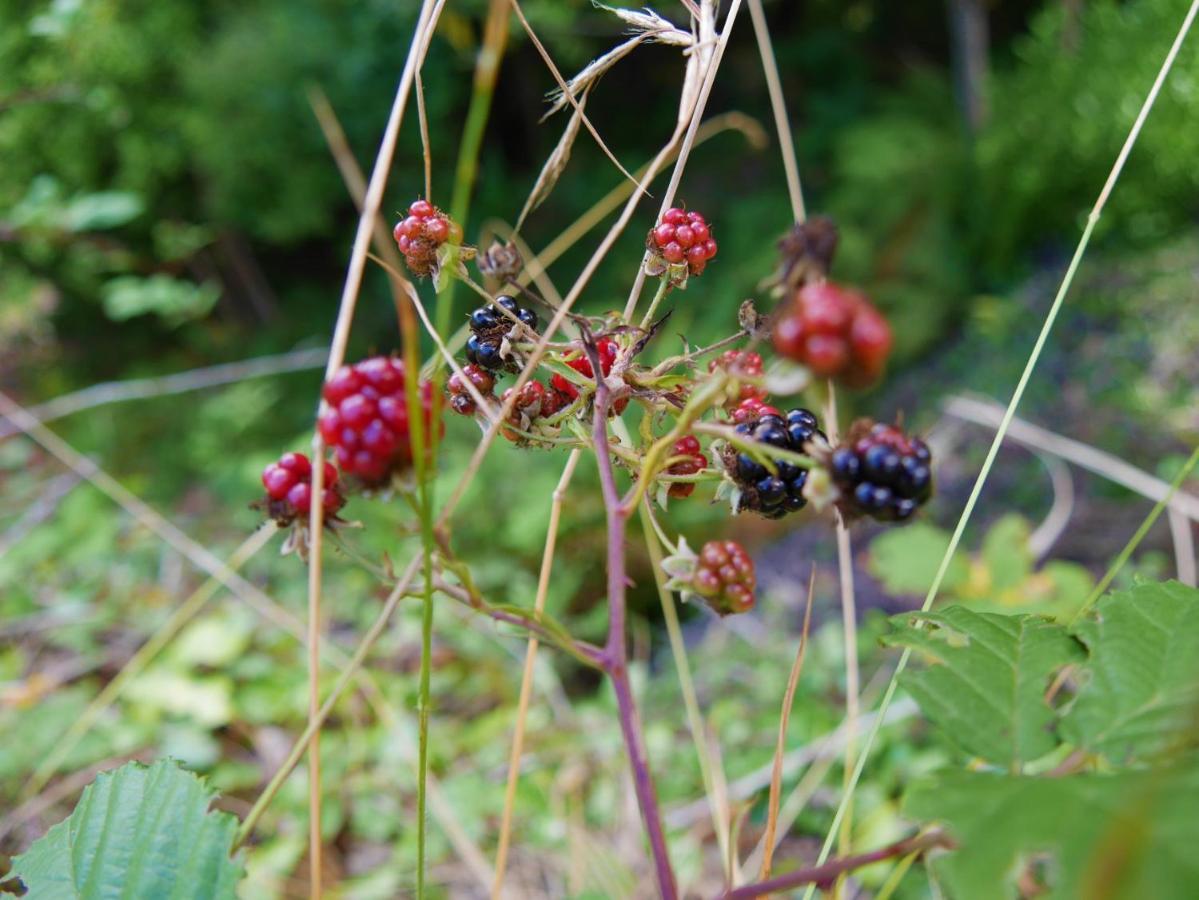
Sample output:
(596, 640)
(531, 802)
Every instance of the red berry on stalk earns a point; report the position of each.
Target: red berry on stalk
(288, 484)
(366, 419)
(682, 236)
(724, 577)
(461, 400)
(696, 461)
(741, 364)
(607, 350)
(835, 332)
(421, 233)
(751, 409)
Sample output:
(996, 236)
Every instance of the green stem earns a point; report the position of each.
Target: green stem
(664, 288)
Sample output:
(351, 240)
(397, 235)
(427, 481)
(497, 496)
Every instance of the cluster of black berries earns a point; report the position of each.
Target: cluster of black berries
(881, 473)
(773, 495)
(488, 327)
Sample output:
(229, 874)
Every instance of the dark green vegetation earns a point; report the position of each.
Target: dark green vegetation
(167, 201)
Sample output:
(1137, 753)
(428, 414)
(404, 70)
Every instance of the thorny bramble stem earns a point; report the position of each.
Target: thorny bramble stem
(825, 874)
(615, 653)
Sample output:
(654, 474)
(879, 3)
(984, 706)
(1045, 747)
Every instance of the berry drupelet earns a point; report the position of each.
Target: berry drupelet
(773, 494)
(421, 233)
(741, 364)
(835, 332)
(288, 484)
(461, 400)
(882, 473)
(681, 237)
(724, 577)
(695, 462)
(367, 420)
(489, 326)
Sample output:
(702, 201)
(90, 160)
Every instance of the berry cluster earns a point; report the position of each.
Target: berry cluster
(607, 349)
(532, 402)
(367, 419)
(741, 364)
(724, 577)
(695, 462)
(835, 332)
(288, 484)
(773, 495)
(882, 473)
(461, 400)
(421, 233)
(682, 237)
(751, 409)
(489, 326)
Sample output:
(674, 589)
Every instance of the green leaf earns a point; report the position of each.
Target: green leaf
(172, 299)
(104, 209)
(137, 832)
(1140, 687)
(1006, 552)
(905, 560)
(1121, 837)
(986, 679)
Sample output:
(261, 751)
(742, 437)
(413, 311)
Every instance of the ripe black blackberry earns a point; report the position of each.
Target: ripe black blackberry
(488, 328)
(882, 473)
(773, 494)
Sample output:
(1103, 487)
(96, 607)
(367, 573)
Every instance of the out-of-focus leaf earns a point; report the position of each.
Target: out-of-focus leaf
(104, 209)
(1129, 836)
(1140, 688)
(905, 560)
(986, 678)
(172, 299)
(137, 832)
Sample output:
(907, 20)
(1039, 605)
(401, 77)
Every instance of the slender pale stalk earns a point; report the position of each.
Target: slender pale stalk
(778, 106)
(695, 723)
(1010, 411)
(776, 774)
(314, 724)
(526, 682)
(659, 296)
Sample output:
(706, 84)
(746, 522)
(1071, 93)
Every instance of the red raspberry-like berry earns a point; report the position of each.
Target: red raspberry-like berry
(420, 233)
(682, 236)
(880, 472)
(741, 364)
(461, 401)
(724, 577)
(288, 484)
(751, 409)
(835, 332)
(366, 420)
(533, 401)
(607, 349)
(695, 462)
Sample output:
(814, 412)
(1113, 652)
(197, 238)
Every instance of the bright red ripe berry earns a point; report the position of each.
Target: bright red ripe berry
(607, 350)
(367, 421)
(680, 237)
(288, 484)
(696, 461)
(741, 364)
(835, 332)
(724, 577)
(752, 409)
(422, 209)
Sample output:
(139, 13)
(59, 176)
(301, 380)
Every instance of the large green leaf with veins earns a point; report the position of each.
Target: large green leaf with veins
(985, 677)
(137, 833)
(1139, 691)
(1129, 836)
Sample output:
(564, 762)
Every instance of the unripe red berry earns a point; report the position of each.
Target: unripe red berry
(421, 233)
(288, 484)
(680, 237)
(367, 422)
(696, 461)
(724, 577)
(835, 332)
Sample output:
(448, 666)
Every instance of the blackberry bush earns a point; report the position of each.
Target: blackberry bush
(881, 473)
(367, 422)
